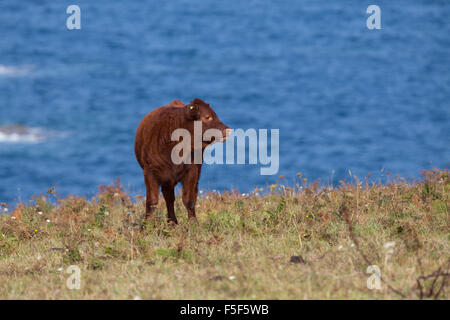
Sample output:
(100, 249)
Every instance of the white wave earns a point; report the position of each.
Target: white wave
(14, 71)
(21, 134)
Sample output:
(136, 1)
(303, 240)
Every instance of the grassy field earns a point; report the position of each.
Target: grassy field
(300, 241)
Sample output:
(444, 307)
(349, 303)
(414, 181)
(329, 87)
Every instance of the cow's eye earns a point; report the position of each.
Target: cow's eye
(208, 118)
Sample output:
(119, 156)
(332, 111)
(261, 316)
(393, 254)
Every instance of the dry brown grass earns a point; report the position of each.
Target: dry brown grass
(297, 242)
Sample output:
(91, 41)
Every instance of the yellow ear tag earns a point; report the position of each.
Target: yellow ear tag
(191, 107)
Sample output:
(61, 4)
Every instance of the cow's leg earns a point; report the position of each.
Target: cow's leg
(169, 196)
(190, 189)
(152, 187)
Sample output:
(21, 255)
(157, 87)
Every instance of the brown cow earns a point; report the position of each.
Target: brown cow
(153, 148)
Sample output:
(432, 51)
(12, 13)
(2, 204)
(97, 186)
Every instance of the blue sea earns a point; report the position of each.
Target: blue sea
(346, 99)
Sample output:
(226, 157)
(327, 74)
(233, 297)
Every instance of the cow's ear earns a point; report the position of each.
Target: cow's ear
(192, 111)
(197, 101)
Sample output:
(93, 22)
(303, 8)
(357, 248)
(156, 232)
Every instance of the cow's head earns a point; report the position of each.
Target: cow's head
(198, 110)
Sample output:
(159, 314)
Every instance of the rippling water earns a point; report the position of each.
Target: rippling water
(344, 97)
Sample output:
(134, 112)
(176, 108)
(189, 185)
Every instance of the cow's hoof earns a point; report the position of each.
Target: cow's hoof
(172, 223)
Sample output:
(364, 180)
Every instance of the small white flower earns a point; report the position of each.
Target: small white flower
(244, 194)
(48, 220)
(60, 269)
(14, 218)
(352, 245)
(201, 191)
(89, 230)
(340, 247)
(38, 257)
(231, 277)
(389, 244)
(40, 213)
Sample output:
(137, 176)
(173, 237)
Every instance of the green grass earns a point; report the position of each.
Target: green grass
(241, 247)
